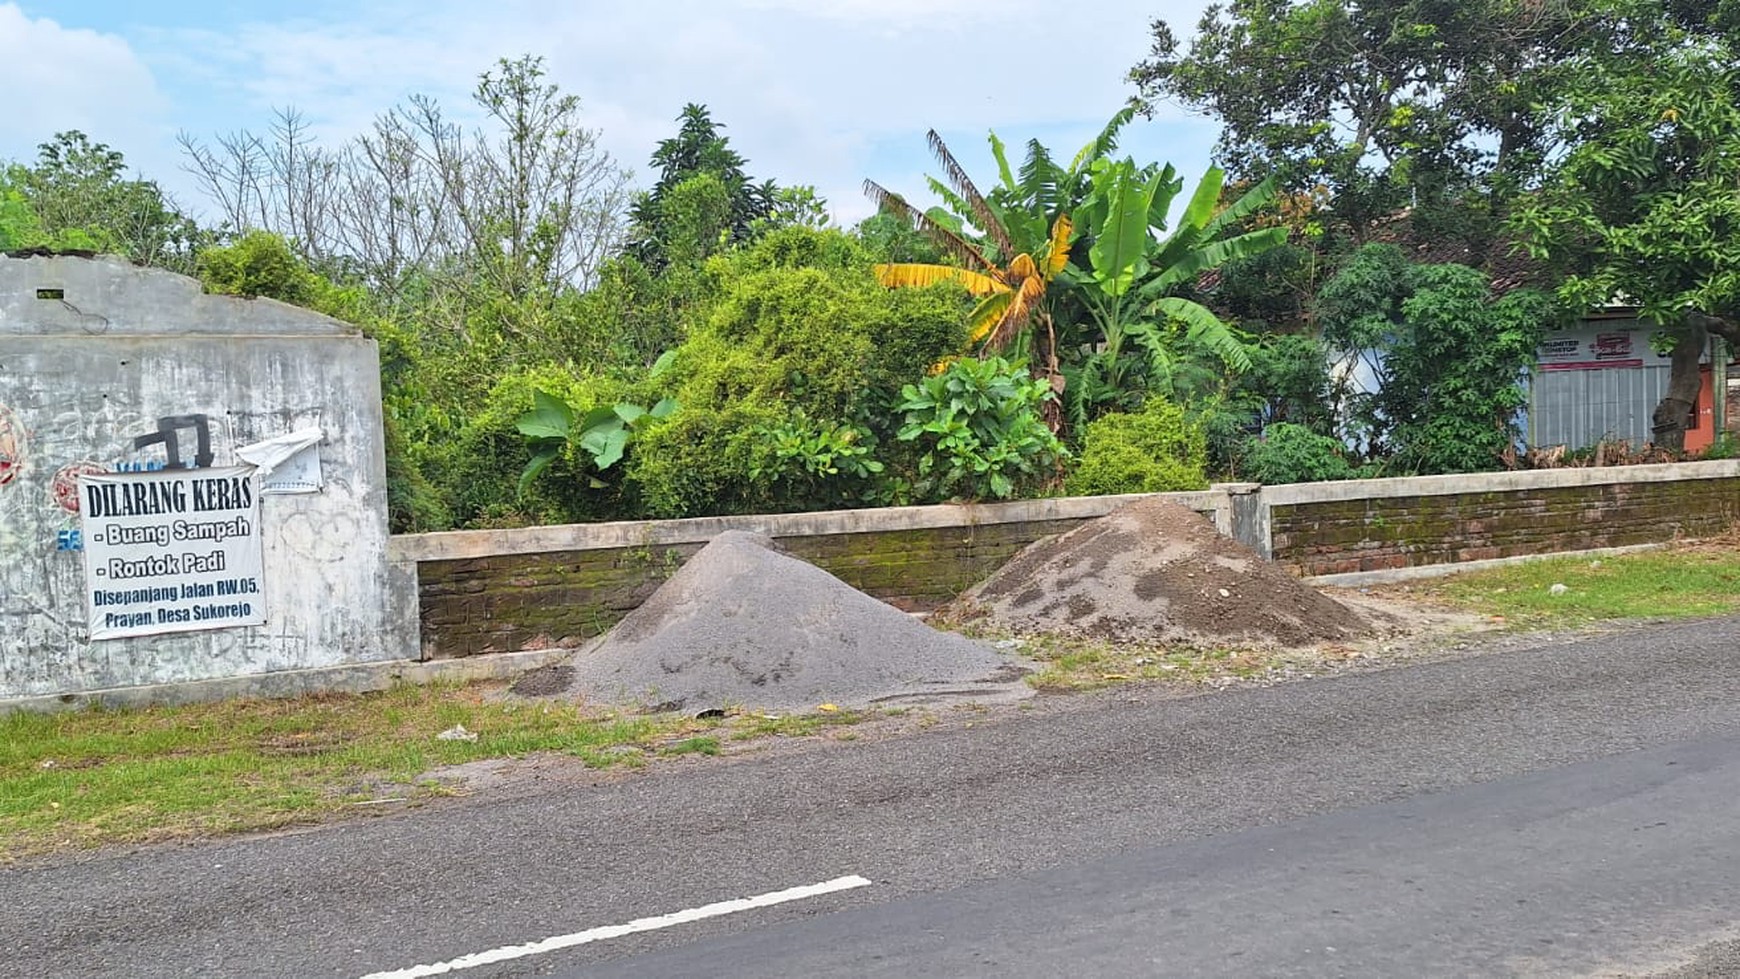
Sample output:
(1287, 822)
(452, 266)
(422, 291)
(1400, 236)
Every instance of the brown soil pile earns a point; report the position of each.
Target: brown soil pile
(1153, 571)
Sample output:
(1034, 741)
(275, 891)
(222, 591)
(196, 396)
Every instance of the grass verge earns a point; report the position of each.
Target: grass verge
(1089, 664)
(94, 777)
(1686, 581)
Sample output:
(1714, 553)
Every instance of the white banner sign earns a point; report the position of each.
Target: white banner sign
(172, 551)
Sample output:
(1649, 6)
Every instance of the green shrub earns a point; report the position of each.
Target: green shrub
(816, 465)
(258, 263)
(978, 431)
(699, 462)
(477, 470)
(1288, 453)
(789, 353)
(1156, 450)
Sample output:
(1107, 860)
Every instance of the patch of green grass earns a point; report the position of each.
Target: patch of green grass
(791, 725)
(692, 746)
(1088, 664)
(91, 777)
(1682, 582)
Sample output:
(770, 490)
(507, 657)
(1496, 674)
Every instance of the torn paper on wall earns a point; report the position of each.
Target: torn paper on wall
(288, 463)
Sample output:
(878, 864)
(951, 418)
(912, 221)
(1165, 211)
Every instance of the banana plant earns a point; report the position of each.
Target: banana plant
(1131, 271)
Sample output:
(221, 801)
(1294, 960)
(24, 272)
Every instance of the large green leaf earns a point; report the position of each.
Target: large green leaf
(1041, 178)
(1200, 210)
(603, 416)
(1001, 154)
(1121, 240)
(550, 418)
(1161, 207)
(1208, 330)
(1105, 143)
(1195, 219)
(614, 446)
(540, 460)
(1212, 256)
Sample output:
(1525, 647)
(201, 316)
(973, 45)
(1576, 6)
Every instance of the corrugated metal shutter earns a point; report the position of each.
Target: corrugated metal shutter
(1579, 408)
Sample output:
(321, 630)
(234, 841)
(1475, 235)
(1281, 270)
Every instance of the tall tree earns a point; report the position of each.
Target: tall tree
(1426, 104)
(1448, 357)
(81, 196)
(698, 148)
(1642, 206)
(528, 204)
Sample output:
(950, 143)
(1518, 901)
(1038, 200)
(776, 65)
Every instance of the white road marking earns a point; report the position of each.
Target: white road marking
(508, 952)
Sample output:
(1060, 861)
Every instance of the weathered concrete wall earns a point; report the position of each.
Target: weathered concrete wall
(497, 591)
(92, 353)
(489, 592)
(1390, 524)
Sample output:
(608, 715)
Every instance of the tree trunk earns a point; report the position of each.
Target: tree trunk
(1684, 380)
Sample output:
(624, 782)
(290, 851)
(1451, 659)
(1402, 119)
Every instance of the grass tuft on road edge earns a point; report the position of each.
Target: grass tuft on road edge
(94, 777)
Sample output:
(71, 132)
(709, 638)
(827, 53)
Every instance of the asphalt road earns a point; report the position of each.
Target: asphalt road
(1561, 810)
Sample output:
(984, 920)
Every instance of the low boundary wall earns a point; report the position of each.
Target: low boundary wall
(485, 592)
(494, 591)
(1322, 529)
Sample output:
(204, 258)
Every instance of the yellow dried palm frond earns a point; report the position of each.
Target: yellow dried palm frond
(907, 275)
(1013, 319)
(987, 316)
(889, 202)
(1023, 267)
(1057, 256)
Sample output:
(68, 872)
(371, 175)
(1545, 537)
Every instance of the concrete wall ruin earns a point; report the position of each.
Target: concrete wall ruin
(98, 358)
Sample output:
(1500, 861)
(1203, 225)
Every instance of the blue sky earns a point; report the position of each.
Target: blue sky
(823, 92)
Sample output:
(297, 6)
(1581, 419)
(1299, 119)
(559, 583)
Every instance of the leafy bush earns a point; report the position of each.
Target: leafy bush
(810, 464)
(789, 352)
(699, 462)
(257, 264)
(1156, 450)
(1450, 357)
(978, 431)
(476, 468)
(1289, 453)
(596, 439)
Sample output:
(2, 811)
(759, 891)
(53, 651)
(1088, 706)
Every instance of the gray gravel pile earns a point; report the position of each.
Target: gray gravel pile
(744, 625)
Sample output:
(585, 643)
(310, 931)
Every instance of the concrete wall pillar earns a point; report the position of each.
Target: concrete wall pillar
(1249, 515)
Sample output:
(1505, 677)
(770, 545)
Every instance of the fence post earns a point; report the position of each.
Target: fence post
(1250, 518)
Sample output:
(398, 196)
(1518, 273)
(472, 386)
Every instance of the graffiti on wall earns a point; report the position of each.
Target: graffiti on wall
(123, 437)
(168, 432)
(63, 489)
(12, 446)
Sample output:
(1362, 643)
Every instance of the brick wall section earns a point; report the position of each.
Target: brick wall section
(510, 602)
(486, 592)
(1341, 536)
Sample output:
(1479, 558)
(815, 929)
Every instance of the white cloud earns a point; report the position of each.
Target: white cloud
(810, 91)
(928, 14)
(57, 78)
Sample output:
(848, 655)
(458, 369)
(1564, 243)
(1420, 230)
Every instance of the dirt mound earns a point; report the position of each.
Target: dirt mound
(743, 625)
(1153, 571)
